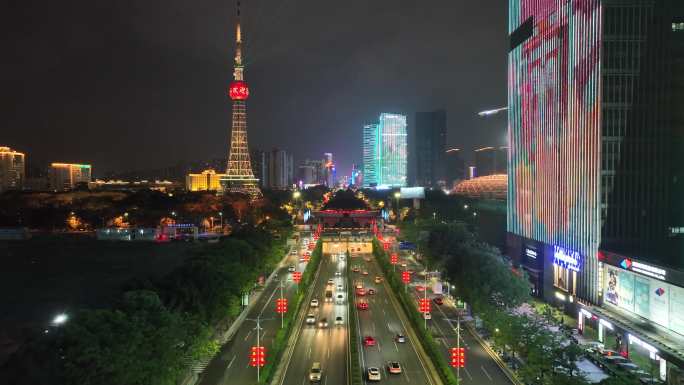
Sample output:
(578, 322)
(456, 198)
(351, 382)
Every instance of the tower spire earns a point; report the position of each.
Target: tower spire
(239, 174)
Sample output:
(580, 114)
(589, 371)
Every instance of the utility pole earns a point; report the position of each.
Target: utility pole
(282, 313)
(258, 320)
(458, 343)
(426, 298)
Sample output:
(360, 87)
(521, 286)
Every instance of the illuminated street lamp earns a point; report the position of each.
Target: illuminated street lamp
(397, 195)
(492, 111)
(60, 319)
(221, 216)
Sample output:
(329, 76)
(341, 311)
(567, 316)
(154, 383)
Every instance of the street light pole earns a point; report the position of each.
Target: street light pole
(425, 296)
(282, 314)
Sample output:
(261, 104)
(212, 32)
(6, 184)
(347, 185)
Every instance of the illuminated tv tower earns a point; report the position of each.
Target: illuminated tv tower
(239, 175)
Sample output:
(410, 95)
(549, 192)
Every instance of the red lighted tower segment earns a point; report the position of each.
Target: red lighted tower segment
(238, 90)
(406, 277)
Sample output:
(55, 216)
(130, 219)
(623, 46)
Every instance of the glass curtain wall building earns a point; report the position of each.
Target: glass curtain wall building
(384, 152)
(595, 130)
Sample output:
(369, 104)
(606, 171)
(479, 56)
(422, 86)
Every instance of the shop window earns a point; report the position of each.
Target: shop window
(564, 279)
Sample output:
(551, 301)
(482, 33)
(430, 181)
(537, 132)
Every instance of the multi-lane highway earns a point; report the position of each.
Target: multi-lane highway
(382, 322)
(326, 345)
(231, 365)
(480, 368)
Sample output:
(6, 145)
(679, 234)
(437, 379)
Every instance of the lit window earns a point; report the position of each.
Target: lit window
(677, 27)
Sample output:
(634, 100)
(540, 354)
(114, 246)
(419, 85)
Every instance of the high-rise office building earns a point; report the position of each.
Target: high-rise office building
(312, 172)
(430, 144)
(12, 169)
(491, 161)
(370, 149)
(384, 152)
(329, 170)
(595, 128)
(277, 169)
(454, 170)
(65, 176)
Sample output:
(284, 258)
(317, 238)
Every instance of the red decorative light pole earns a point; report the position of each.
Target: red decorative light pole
(424, 305)
(297, 276)
(257, 357)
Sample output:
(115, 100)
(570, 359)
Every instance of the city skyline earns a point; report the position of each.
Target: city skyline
(164, 117)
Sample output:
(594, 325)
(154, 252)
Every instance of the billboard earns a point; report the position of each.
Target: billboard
(647, 297)
(412, 192)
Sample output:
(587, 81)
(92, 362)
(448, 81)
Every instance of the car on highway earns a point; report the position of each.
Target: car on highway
(316, 372)
(403, 264)
(400, 338)
(394, 367)
(438, 300)
(427, 315)
(356, 269)
(371, 291)
(340, 288)
(339, 320)
(314, 302)
(420, 288)
(367, 259)
(310, 319)
(362, 305)
(338, 274)
(339, 299)
(291, 269)
(360, 292)
(373, 374)
(330, 282)
(365, 272)
(359, 285)
(323, 323)
(368, 341)
(378, 279)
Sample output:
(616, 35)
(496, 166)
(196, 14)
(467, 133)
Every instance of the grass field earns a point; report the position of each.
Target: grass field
(50, 274)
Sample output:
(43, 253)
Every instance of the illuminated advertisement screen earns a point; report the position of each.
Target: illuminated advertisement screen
(647, 297)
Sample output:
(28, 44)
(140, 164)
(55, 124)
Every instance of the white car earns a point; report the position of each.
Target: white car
(310, 319)
(291, 269)
(314, 302)
(340, 298)
(339, 320)
(427, 315)
(331, 282)
(374, 374)
(394, 367)
(338, 273)
(340, 288)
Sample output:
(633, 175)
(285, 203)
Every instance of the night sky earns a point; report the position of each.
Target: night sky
(142, 84)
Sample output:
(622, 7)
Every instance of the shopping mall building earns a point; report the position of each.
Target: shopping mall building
(596, 166)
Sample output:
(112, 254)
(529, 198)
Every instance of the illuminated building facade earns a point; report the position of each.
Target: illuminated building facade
(12, 169)
(595, 133)
(370, 150)
(277, 169)
(207, 180)
(392, 150)
(239, 175)
(329, 169)
(430, 144)
(65, 176)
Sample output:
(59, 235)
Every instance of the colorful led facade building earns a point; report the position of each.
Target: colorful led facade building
(12, 169)
(239, 175)
(370, 150)
(384, 152)
(595, 133)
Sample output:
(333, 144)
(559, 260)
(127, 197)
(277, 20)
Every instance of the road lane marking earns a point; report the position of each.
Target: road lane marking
(309, 352)
(468, 373)
(264, 335)
(247, 336)
(395, 346)
(231, 362)
(383, 313)
(379, 349)
(485, 372)
(388, 327)
(406, 374)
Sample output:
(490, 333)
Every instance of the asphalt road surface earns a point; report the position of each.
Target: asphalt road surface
(327, 345)
(480, 368)
(231, 365)
(381, 321)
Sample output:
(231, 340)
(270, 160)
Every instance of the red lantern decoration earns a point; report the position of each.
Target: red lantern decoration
(297, 276)
(424, 305)
(238, 90)
(394, 258)
(281, 305)
(386, 245)
(406, 277)
(257, 357)
(457, 357)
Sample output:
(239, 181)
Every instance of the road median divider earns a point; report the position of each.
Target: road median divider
(355, 368)
(423, 340)
(285, 340)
